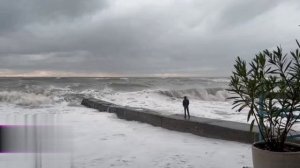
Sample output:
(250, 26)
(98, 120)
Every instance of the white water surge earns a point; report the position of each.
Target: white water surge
(102, 140)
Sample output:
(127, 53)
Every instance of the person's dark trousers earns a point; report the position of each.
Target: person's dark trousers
(186, 110)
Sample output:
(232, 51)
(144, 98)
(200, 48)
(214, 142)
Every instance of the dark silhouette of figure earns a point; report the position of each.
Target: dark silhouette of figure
(185, 104)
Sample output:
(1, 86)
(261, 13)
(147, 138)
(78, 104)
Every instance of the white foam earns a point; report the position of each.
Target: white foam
(171, 105)
(22, 98)
(224, 80)
(221, 110)
(201, 94)
(102, 140)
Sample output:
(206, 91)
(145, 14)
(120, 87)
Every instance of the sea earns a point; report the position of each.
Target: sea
(208, 96)
(46, 126)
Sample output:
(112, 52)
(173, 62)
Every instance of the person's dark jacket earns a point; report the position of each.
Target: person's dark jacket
(185, 102)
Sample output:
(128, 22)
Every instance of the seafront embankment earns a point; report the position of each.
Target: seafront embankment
(211, 128)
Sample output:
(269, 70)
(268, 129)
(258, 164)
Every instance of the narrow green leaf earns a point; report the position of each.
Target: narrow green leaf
(251, 125)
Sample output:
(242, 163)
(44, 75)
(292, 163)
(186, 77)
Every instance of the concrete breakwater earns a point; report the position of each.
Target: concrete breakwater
(205, 127)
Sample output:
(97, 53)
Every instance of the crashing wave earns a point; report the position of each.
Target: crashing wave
(25, 99)
(127, 86)
(210, 94)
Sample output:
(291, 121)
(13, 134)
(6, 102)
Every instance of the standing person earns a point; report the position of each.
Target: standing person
(185, 104)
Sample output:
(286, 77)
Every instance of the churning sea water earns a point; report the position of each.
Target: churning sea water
(56, 102)
(208, 96)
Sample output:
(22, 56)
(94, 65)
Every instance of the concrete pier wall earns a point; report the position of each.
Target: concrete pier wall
(205, 127)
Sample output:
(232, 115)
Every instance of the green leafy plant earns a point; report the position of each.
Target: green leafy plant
(268, 87)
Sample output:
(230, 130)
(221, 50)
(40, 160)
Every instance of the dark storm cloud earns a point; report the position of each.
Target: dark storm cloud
(16, 14)
(141, 37)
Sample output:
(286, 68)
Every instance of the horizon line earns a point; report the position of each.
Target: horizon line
(115, 76)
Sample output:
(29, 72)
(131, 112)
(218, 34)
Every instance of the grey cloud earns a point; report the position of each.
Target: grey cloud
(16, 14)
(240, 12)
(150, 38)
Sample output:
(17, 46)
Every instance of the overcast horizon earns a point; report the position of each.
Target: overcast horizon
(167, 38)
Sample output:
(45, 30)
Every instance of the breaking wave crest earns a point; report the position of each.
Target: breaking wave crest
(25, 99)
(210, 94)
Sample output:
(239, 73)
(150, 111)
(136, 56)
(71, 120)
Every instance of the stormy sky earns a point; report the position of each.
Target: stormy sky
(140, 37)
